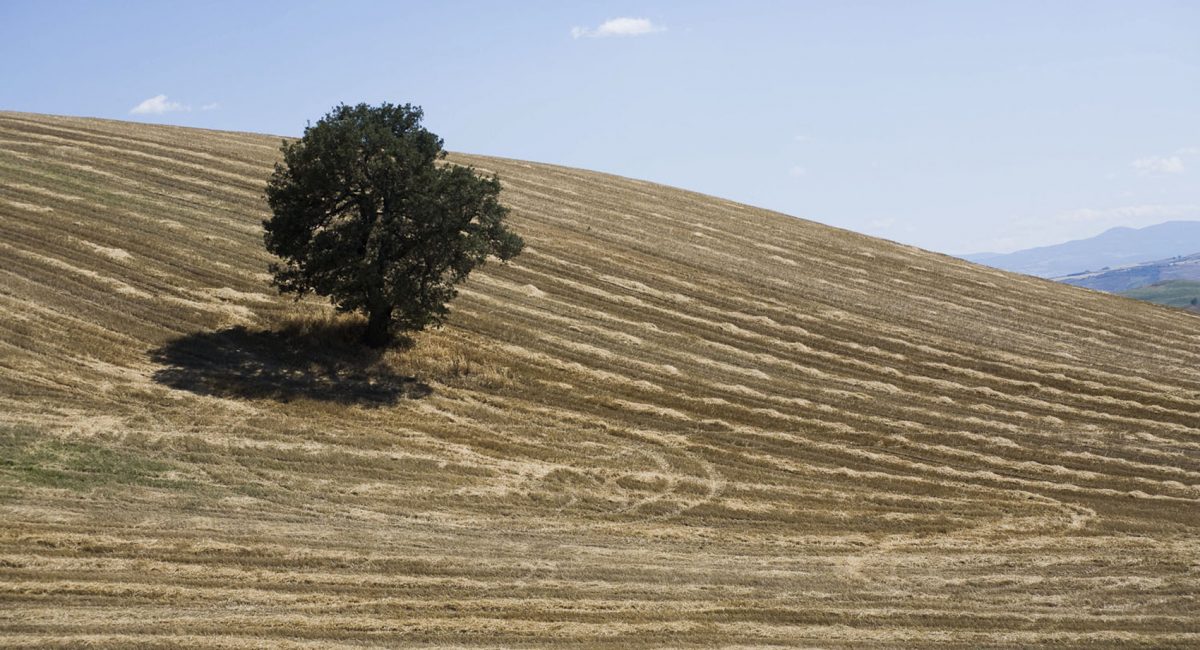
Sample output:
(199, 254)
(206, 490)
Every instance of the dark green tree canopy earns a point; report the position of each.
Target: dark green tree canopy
(364, 213)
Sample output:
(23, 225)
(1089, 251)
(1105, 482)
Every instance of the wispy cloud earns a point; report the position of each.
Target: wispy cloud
(618, 27)
(212, 106)
(157, 105)
(1130, 215)
(1159, 165)
(797, 171)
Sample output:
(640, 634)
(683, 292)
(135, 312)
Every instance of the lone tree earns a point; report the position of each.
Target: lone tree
(364, 214)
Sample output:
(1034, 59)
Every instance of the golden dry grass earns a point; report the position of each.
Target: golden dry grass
(675, 420)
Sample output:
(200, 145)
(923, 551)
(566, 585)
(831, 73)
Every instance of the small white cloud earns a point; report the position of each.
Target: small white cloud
(157, 105)
(797, 171)
(1159, 165)
(802, 138)
(1188, 151)
(618, 27)
(212, 106)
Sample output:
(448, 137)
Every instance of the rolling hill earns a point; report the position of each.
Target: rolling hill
(1184, 294)
(674, 420)
(1180, 268)
(1114, 247)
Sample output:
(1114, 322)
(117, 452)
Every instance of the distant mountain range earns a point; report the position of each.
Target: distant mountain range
(1118, 247)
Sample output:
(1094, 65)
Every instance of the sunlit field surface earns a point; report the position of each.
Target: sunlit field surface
(673, 420)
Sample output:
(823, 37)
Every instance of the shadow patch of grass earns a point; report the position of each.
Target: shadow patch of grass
(36, 459)
(317, 360)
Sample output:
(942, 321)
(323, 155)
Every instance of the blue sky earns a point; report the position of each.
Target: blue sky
(955, 126)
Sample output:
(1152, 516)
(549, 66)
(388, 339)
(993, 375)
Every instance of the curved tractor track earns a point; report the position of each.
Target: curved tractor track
(674, 420)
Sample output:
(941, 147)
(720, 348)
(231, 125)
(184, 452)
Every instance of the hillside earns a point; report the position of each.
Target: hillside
(1184, 294)
(1181, 268)
(674, 420)
(1114, 247)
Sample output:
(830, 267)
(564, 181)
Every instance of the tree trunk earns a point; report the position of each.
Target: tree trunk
(379, 324)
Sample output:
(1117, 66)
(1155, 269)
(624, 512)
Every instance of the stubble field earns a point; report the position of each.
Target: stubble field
(674, 420)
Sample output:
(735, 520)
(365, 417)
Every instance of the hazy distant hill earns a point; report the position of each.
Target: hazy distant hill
(1115, 247)
(1123, 279)
(673, 421)
(1184, 294)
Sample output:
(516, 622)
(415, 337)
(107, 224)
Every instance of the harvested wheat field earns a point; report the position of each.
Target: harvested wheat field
(673, 421)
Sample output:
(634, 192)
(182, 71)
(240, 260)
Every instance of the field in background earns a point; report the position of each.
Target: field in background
(1128, 278)
(674, 420)
(1176, 293)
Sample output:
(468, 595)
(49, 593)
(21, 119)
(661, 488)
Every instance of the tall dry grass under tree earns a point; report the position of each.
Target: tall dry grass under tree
(364, 214)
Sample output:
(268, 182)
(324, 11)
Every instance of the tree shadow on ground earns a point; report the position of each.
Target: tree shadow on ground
(321, 362)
